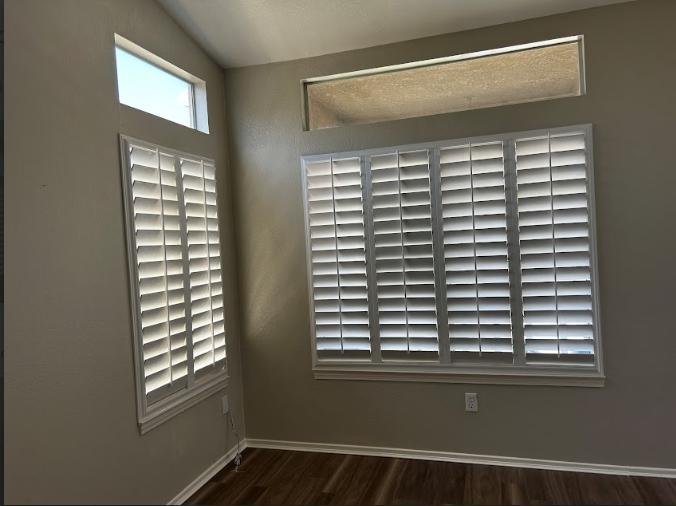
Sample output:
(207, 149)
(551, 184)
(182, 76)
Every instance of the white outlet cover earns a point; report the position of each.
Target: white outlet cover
(226, 404)
(471, 402)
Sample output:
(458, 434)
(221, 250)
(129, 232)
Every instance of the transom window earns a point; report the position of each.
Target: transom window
(468, 259)
(530, 72)
(148, 83)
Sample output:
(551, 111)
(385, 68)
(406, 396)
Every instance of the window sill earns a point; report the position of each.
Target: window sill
(171, 406)
(576, 377)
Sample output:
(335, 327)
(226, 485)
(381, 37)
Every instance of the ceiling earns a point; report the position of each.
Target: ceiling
(249, 32)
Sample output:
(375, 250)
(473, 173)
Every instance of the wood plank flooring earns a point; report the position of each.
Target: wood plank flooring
(291, 477)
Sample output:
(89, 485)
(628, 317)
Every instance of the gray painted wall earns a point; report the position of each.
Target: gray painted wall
(70, 412)
(631, 101)
(70, 420)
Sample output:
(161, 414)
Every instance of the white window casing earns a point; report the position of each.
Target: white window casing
(471, 260)
(175, 275)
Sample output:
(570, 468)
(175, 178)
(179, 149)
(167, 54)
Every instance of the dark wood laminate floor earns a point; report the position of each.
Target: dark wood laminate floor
(290, 477)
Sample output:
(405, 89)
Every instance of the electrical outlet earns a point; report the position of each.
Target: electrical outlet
(226, 404)
(471, 402)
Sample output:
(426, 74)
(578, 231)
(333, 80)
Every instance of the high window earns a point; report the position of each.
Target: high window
(468, 260)
(147, 82)
(509, 75)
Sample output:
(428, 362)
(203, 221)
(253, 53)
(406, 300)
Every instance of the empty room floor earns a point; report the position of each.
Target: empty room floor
(293, 477)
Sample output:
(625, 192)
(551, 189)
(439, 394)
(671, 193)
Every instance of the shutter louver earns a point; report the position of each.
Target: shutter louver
(402, 226)
(338, 256)
(204, 264)
(157, 236)
(475, 250)
(555, 248)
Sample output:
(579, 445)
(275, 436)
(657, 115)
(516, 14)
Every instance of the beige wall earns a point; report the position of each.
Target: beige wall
(631, 101)
(70, 412)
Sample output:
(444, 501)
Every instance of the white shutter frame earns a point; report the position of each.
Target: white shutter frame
(186, 273)
(446, 370)
(152, 411)
(371, 275)
(512, 251)
(439, 261)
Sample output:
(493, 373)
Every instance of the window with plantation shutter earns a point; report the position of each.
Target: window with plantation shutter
(470, 260)
(175, 269)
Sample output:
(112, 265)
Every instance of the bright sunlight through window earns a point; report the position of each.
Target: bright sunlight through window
(151, 89)
(151, 84)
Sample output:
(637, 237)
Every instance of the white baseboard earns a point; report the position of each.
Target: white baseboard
(466, 458)
(207, 474)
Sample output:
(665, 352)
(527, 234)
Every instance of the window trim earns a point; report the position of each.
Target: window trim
(204, 385)
(426, 371)
(304, 83)
(199, 115)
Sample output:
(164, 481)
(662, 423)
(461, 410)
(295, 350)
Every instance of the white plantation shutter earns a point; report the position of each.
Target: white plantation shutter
(204, 263)
(555, 248)
(476, 255)
(475, 251)
(175, 266)
(402, 228)
(215, 273)
(338, 258)
(159, 264)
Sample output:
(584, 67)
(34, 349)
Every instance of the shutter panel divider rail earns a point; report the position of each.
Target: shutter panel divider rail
(514, 257)
(439, 262)
(186, 274)
(446, 228)
(376, 355)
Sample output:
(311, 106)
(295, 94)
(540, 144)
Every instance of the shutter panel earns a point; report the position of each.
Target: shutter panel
(338, 258)
(475, 251)
(555, 248)
(402, 226)
(215, 274)
(159, 266)
(204, 266)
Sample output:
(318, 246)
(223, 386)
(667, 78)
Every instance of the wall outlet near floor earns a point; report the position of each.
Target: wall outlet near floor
(226, 404)
(471, 402)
